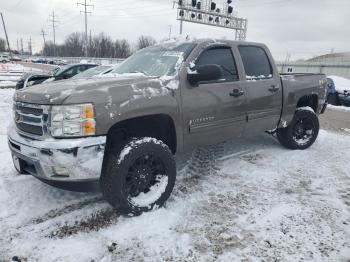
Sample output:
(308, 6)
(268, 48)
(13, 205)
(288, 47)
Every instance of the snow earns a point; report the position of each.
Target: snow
(338, 108)
(146, 199)
(11, 73)
(341, 83)
(307, 108)
(248, 199)
(7, 83)
(134, 144)
(254, 78)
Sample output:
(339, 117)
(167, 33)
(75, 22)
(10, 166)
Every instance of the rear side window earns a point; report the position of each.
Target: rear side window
(223, 57)
(256, 63)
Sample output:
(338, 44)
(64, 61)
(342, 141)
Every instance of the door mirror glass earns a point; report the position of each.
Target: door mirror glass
(205, 73)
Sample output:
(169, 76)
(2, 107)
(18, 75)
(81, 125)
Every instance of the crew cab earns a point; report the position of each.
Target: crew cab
(121, 132)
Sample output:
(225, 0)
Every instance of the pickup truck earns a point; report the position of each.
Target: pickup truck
(121, 132)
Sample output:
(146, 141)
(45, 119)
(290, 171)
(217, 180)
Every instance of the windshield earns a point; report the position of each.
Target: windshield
(54, 71)
(92, 72)
(156, 61)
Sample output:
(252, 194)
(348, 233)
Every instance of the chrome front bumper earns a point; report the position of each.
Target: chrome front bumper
(70, 160)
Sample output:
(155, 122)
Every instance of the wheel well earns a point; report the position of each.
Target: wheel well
(309, 100)
(157, 126)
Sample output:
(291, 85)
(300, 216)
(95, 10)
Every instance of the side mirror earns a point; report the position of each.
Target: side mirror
(205, 73)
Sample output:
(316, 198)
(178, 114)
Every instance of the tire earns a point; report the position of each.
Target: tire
(130, 176)
(302, 132)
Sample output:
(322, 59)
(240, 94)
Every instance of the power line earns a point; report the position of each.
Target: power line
(86, 30)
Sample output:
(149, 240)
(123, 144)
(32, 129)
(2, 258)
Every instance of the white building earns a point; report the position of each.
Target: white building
(330, 64)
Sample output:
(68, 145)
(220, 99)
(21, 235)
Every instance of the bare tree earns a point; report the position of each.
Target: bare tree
(121, 49)
(145, 41)
(99, 46)
(74, 44)
(2, 45)
(104, 46)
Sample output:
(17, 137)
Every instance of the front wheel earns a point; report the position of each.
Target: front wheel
(302, 132)
(140, 177)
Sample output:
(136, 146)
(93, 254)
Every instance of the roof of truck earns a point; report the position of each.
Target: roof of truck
(179, 41)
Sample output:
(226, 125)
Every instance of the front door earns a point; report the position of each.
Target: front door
(214, 111)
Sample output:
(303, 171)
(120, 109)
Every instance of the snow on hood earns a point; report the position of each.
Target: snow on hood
(58, 92)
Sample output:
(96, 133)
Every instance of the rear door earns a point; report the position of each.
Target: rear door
(211, 112)
(263, 89)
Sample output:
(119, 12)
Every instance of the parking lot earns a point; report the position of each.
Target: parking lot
(248, 200)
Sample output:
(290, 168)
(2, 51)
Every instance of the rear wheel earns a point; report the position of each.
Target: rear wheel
(140, 177)
(302, 132)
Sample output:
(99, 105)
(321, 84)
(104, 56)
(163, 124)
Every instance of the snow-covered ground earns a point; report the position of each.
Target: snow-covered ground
(11, 73)
(246, 200)
(339, 108)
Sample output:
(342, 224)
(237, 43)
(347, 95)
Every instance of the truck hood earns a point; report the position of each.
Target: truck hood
(56, 93)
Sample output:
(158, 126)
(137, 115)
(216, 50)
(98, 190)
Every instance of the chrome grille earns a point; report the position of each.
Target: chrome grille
(31, 119)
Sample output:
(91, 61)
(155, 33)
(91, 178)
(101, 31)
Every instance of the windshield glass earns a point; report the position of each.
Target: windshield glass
(156, 61)
(92, 72)
(53, 72)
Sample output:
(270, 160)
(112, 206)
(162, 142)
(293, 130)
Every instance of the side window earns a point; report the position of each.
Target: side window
(70, 72)
(81, 69)
(223, 57)
(256, 63)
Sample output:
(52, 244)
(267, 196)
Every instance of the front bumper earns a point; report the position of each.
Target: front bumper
(59, 160)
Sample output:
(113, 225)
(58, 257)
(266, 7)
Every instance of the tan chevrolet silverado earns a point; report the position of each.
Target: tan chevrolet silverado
(121, 132)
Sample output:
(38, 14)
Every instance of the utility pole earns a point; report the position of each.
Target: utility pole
(7, 39)
(53, 21)
(30, 50)
(170, 27)
(86, 30)
(21, 46)
(181, 22)
(43, 34)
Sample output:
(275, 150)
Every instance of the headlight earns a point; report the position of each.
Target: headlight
(72, 120)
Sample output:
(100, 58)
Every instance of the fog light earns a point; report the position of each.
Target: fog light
(60, 171)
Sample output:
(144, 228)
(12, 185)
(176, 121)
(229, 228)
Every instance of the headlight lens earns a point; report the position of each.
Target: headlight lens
(72, 120)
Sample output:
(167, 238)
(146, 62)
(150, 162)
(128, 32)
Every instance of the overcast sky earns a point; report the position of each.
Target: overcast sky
(303, 28)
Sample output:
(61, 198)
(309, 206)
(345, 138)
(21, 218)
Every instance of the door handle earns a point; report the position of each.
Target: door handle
(236, 93)
(274, 88)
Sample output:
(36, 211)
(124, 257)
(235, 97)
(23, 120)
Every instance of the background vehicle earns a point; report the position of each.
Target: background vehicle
(59, 62)
(59, 73)
(39, 60)
(122, 132)
(338, 92)
(4, 59)
(344, 98)
(95, 71)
